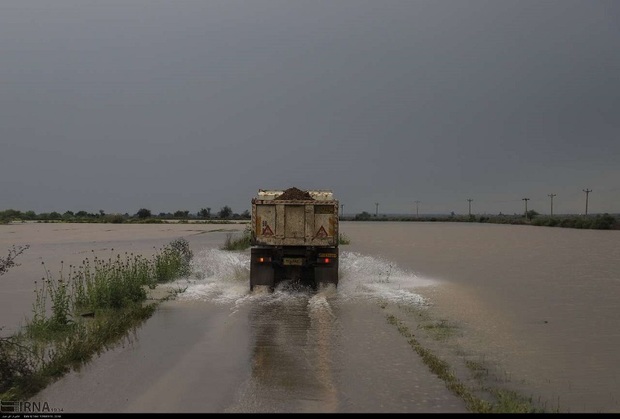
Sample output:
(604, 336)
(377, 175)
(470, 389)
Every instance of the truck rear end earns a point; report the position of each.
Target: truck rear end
(294, 237)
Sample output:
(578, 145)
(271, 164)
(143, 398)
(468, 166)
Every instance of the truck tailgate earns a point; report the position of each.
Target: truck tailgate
(294, 223)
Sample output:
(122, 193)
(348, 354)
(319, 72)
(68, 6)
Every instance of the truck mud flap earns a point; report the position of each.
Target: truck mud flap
(261, 269)
(325, 275)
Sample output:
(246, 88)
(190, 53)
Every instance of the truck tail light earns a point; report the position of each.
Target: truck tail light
(326, 258)
(264, 259)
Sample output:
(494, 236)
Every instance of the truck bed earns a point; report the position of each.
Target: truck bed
(294, 222)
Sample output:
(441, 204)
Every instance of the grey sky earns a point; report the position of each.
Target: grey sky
(180, 105)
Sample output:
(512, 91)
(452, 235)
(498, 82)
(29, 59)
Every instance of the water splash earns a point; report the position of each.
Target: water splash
(373, 278)
(220, 276)
(223, 277)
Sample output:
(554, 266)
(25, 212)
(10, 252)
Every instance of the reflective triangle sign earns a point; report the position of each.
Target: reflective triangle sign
(321, 233)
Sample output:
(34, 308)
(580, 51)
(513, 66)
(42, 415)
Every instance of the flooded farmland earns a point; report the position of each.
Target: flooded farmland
(536, 306)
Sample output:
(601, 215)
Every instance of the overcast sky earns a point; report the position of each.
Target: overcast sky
(181, 105)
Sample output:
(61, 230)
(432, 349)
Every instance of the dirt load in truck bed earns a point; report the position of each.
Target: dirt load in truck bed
(294, 194)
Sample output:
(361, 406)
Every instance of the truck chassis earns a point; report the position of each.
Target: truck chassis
(315, 267)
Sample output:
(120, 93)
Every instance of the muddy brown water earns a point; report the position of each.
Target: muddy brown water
(537, 306)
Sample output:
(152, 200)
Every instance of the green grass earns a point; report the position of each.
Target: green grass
(82, 312)
(238, 242)
(478, 370)
(343, 239)
(440, 330)
(504, 401)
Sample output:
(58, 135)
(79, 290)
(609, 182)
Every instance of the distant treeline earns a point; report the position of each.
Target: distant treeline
(597, 221)
(142, 216)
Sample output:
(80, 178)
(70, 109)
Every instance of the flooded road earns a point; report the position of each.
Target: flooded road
(538, 306)
(220, 348)
(278, 356)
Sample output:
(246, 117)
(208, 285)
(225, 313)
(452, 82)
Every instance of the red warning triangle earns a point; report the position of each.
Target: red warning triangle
(267, 231)
(321, 233)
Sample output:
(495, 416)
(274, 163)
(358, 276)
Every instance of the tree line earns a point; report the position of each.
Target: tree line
(595, 221)
(142, 215)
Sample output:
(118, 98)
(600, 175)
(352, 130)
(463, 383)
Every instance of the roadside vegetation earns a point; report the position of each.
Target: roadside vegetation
(9, 262)
(471, 381)
(343, 239)
(83, 311)
(238, 241)
(596, 222)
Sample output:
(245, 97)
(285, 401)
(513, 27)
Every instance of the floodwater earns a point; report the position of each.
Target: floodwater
(538, 306)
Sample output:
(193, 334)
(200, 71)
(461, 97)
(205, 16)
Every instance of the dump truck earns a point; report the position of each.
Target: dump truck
(294, 236)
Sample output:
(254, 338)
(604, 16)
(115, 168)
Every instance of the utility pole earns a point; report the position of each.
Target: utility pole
(376, 209)
(342, 210)
(587, 191)
(417, 214)
(551, 195)
(526, 199)
(469, 200)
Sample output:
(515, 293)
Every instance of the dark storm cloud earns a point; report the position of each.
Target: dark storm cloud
(119, 105)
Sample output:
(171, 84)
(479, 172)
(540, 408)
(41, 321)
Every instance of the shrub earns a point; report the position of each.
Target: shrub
(143, 213)
(174, 261)
(343, 239)
(113, 218)
(16, 364)
(603, 222)
(238, 243)
(9, 262)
